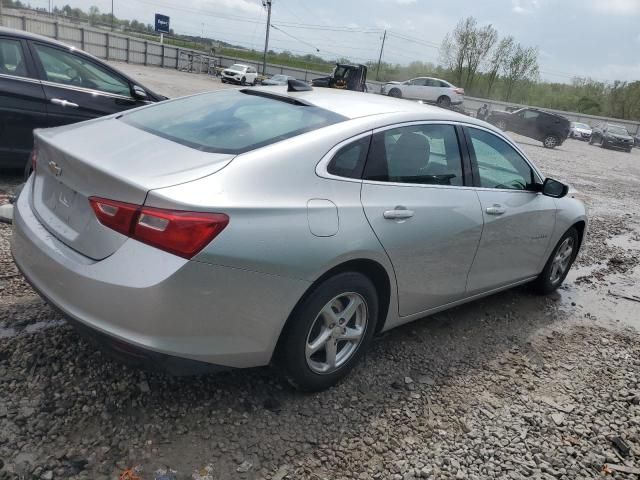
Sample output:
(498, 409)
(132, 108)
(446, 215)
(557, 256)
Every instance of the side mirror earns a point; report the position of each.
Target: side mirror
(139, 92)
(553, 188)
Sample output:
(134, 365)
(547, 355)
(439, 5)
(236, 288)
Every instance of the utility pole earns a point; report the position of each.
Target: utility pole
(112, 15)
(266, 3)
(384, 37)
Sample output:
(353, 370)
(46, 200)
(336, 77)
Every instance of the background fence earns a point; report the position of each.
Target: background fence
(121, 47)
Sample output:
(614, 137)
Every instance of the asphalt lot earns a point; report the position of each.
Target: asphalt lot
(511, 386)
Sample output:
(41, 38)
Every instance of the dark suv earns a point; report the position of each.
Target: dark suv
(609, 135)
(45, 83)
(551, 129)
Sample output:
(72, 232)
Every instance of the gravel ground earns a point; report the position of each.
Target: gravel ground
(511, 386)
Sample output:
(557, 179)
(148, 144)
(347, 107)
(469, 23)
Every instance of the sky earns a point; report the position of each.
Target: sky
(588, 38)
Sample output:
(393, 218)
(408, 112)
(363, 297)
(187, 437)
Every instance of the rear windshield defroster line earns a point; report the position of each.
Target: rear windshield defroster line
(230, 121)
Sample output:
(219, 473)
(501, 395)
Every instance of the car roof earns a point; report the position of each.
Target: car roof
(357, 104)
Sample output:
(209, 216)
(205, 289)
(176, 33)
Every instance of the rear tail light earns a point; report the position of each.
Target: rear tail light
(175, 231)
(459, 91)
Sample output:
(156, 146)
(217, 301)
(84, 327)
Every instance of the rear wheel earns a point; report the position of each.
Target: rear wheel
(329, 331)
(559, 263)
(502, 125)
(444, 101)
(395, 92)
(550, 141)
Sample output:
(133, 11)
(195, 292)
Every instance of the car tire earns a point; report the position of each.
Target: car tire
(502, 125)
(444, 101)
(558, 264)
(550, 141)
(395, 92)
(308, 326)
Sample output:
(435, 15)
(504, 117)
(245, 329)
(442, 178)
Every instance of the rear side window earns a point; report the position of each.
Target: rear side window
(11, 58)
(349, 160)
(231, 121)
(423, 154)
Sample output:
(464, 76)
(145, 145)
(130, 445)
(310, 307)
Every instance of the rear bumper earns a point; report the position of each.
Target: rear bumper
(156, 302)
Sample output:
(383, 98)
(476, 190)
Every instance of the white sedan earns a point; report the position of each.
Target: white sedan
(238, 73)
(426, 88)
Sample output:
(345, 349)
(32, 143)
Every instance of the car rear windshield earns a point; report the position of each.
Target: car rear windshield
(231, 121)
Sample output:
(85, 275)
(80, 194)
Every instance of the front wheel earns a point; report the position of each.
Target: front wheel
(559, 263)
(328, 332)
(395, 92)
(550, 141)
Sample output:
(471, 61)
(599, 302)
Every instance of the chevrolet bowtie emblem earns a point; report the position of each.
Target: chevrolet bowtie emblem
(55, 168)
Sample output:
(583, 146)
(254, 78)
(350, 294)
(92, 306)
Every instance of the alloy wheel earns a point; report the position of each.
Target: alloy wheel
(562, 260)
(550, 141)
(336, 333)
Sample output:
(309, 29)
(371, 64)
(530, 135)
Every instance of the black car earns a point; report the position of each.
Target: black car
(45, 83)
(550, 128)
(346, 77)
(609, 135)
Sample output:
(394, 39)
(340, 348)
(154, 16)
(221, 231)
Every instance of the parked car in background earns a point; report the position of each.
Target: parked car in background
(609, 135)
(429, 89)
(550, 128)
(277, 80)
(46, 83)
(581, 131)
(296, 224)
(240, 74)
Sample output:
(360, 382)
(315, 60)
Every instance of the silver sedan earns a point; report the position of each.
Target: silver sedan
(282, 225)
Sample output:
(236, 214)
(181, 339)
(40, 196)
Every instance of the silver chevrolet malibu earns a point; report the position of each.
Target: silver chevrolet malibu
(282, 225)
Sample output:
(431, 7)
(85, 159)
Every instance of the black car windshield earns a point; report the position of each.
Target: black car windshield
(616, 130)
(230, 121)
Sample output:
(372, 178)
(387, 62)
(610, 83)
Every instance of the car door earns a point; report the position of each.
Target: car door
(518, 220)
(22, 102)
(414, 89)
(423, 210)
(79, 88)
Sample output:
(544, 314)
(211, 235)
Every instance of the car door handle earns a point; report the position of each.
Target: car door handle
(398, 214)
(64, 103)
(496, 209)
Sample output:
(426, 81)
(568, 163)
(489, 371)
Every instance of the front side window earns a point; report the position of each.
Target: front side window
(12, 58)
(499, 164)
(349, 160)
(69, 69)
(422, 154)
(419, 82)
(229, 121)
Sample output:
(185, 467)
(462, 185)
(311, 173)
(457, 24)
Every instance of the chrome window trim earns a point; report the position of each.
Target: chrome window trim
(18, 77)
(321, 167)
(85, 90)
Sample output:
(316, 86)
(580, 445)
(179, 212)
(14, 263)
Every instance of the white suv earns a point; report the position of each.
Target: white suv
(426, 88)
(238, 73)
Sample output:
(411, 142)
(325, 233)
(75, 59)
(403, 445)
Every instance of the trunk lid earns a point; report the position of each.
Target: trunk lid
(111, 159)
